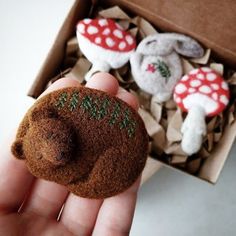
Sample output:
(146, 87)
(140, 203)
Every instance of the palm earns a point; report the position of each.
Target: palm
(30, 206)
(29, 224)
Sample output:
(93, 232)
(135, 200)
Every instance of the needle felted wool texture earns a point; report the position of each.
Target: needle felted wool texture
(105, 44)
(91, 142)
(202, 92)
(156, 65)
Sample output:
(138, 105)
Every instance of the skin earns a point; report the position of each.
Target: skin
(31, 206)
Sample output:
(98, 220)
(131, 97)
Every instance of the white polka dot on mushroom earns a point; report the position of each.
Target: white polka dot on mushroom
(110, 42)
(215, 96)
(118, 33)
(224, 99)
(122, 45)
(211, 76)
(206, 69)
(205, 89)
(224, 85)
(180, 88)
(98, 40)
(87, 21)
(129, 39)
(102, 22)
(193, 72)
(200, 76)
(106, 31)
(185, 78)
(195, 83)
(192, 90)
(81, 28)
(215, 86)
(92, 29)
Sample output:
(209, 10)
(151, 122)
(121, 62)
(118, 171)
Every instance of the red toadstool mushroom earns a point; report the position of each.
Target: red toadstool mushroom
(202, 93)
(104, 43)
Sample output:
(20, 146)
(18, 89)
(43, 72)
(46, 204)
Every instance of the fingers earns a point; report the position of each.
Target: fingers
(115, 216)
(104, 82)
(15, 181)
(128, 98)
(46, 199)
(116, 213)
(59, 84)
(79, 214)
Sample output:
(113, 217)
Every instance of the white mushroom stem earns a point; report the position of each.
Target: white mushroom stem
(193, 130)
(97, 67)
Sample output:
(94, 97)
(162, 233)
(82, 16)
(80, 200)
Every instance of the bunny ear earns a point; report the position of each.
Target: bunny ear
(186, 46)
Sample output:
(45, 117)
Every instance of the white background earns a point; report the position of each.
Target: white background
(170, 203)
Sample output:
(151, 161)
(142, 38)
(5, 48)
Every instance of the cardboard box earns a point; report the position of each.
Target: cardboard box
(207, 21)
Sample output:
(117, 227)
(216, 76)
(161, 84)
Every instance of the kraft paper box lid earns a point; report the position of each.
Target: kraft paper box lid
(210, 22)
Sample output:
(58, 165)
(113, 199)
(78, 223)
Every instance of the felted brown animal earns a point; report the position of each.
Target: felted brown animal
(91, 142)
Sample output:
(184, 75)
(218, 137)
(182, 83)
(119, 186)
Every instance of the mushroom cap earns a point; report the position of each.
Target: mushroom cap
(107, 34)
(202, 87)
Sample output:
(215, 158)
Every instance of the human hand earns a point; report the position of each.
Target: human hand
(31, 206)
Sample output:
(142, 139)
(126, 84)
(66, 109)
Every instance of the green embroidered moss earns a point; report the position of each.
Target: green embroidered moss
(125, 122)
(102, 112)
(86, 103)
(115, 114)
(98, 110)
(61, 101)
(131, 129)
(92, 106)
(94, 110)
(74, 101)
(128, 123)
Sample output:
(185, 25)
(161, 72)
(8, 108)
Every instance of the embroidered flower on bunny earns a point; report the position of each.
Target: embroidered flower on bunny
(151, 68)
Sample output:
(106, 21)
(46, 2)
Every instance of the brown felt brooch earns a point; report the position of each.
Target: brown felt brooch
(91, 142)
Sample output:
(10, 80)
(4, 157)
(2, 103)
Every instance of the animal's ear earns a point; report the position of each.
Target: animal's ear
(17, 149)
(39, 114)
(150, 45)
(186, 46)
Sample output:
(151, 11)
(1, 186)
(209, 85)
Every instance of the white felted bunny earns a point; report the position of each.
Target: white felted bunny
(156, 65)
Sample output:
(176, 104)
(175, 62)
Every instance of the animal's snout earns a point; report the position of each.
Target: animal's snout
(54, 140)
